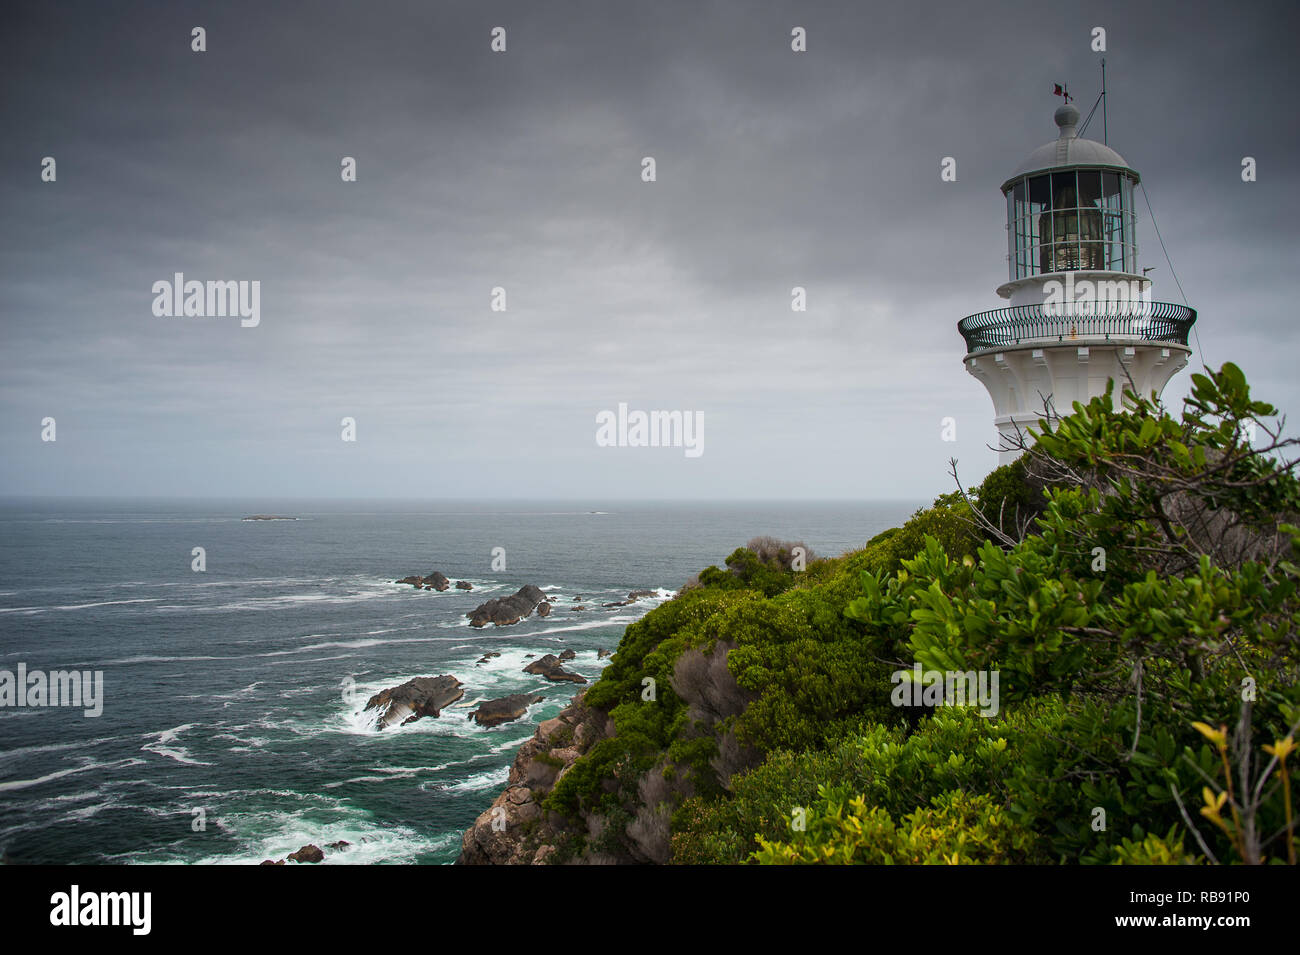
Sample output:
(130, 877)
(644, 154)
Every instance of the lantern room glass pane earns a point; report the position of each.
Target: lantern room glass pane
(1040, 220)
(1114, 237)
(1040, 195)
(1110, 191)
(1130, 236)
(1065, 194)
(1089, 189)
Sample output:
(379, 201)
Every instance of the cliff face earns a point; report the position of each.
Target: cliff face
(515, 829)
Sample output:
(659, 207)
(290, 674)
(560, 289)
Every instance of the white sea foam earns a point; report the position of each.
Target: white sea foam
(492, 779)
(56, 747)
(31, 611)
(179, 753)
(274, 834)
(15, 784)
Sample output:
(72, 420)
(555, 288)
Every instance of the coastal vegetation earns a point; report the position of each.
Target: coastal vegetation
(1131, 580)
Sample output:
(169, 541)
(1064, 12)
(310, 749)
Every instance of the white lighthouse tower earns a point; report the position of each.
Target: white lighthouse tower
(1080, 312)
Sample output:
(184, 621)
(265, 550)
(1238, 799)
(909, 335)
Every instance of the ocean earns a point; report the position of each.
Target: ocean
(232, 727)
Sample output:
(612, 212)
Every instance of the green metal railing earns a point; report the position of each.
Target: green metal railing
(1022, 324)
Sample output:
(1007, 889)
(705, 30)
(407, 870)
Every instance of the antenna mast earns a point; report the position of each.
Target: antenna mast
(1104, 131)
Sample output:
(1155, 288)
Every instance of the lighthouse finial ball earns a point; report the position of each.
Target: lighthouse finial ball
(1067, 117)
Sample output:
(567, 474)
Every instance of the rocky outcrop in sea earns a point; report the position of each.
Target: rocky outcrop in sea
(505, 611)
(504, 710)
(550, 667)
(423, 696)
(434, 581)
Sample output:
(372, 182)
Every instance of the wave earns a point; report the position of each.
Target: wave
(178, 753)
(56, 747)
(275, 833)
(491, 779)
(29, 611)
(15, 784)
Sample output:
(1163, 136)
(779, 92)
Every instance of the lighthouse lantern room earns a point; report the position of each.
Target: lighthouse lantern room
(1080, 314)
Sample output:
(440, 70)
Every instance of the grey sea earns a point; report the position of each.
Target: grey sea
(232, 727)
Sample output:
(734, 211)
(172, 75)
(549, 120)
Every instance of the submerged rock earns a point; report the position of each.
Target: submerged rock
(549, 667)
(423, 696)
(496, 712)
(488, 656)
(505, 611)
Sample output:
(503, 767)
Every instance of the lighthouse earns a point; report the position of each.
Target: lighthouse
(1079, 312)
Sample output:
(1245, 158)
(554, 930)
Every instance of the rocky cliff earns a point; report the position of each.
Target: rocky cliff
(515, 829)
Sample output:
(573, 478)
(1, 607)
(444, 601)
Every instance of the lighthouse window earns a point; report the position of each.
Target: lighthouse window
(1089, 189)
(1110, 191)
(1114, 237)
(1063, 191)
(1040, 200)
(1082, 219)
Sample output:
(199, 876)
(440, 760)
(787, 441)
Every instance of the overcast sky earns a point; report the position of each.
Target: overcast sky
(522, 170)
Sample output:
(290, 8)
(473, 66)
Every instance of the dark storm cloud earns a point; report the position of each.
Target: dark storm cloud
(522, 170)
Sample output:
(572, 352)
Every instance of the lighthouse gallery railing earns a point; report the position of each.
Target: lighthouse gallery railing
(1022, 324)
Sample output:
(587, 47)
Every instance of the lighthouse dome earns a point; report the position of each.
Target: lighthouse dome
(1068, 149)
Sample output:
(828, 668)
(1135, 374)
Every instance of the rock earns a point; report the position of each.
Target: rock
(568, 654)
(496, 712)
(268, 517)
(464, 585)
(307, 853)
(544, 854)
(423, 696)
(529, 833)
(435, 581)
(549, 667)
(642, 593)
(577, 600)
(269, 862)
(549, 728)
(602, 653)
(341, 844)
(488, 656)
(620, 603)
(544, 609)
(505, 611)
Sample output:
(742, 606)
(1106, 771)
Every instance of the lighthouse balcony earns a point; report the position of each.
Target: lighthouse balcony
(1079, 322)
